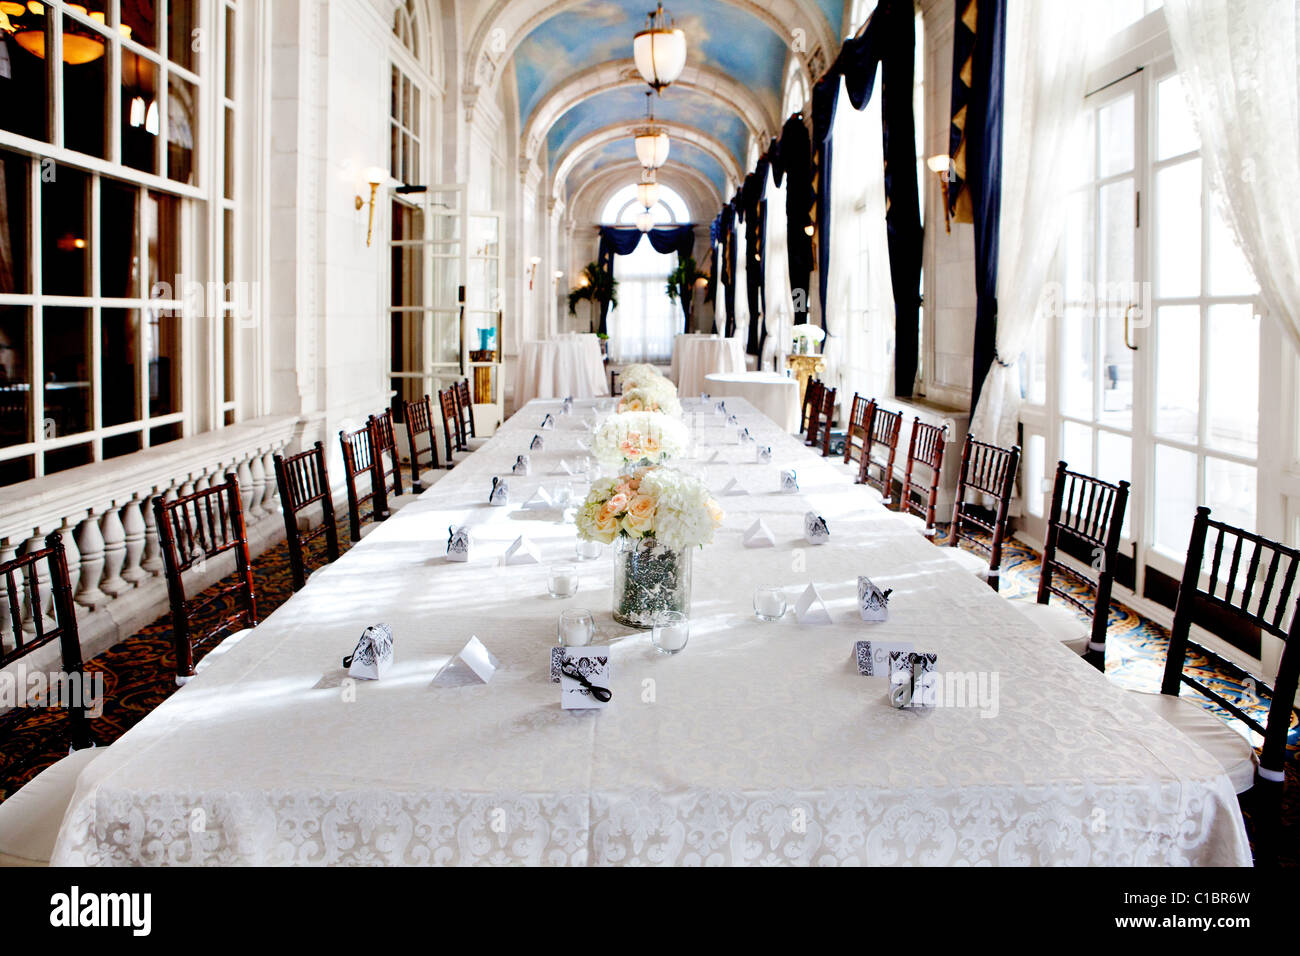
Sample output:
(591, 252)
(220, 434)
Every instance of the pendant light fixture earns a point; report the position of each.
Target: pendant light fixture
(659, 50)
(647, 190)
(651, 141)
(644, 221)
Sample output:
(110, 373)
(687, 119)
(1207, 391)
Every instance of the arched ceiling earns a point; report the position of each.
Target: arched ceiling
(578, 91)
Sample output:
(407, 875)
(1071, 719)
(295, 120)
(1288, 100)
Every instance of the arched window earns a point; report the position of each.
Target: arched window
(406, 26)
(622, 208)
(796, 89)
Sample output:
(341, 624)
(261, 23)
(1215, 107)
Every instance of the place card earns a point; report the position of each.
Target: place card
(536, 444)
(873, 603)
(500, 495)
(541, 499)
(873, 656)
(763, 454)
(458, 543)
(522, 466)
(759, 535)
(810, 608)
(789, 481)
(913, 680)
(733, 487)
(548, 421)
(720, 408)
(815, 530)
(704, 398)
(566, 406)
(472, 664)
(522, 551)
(585, 676)
(745, 436)
(564, 468)
(371, 658)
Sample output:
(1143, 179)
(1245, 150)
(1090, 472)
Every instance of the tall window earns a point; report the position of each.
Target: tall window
(642, 326)
(103, 298)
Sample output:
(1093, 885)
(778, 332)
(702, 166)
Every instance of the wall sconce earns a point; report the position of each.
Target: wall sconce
(941, 165)
(809, 229)
(558, 275)
(374, 176)
(532, 270)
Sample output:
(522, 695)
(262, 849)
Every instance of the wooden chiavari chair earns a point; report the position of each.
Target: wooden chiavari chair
(1087, 513)
(304, 481)
(925, 448)
(467, 439)
(990, 471)
(819, 426)
(1252, 580)
(857, 428)
(880, 451)
(389, 461)
(193, 530)
(359, 459)
(30, 817)
(450, 429)
(419, 424)
(811, 403)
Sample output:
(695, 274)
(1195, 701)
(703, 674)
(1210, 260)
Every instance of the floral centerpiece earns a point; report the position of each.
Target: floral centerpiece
(639, 438)
(651, 398)
(657, 516)
(640, 373)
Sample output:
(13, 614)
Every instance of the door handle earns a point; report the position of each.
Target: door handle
(1131, 307)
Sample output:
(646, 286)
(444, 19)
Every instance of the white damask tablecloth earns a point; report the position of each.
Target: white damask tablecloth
(760, 743)
(568, 364)
(695, 356)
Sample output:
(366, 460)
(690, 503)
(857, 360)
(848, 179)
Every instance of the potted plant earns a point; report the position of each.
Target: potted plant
(681, 285)
(597, 286)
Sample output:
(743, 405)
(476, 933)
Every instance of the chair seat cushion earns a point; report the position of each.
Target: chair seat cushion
(30, 819)
(970, 561)
(1058, 622)
(1213, 734)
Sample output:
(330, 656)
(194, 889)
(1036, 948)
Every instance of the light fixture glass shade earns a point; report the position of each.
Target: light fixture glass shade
(647, 193)
(376, 175)
(938, 163)
(652, 146)
(645, 222)
(660, 55)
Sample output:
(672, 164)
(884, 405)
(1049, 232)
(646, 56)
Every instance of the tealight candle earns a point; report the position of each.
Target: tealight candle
(671, 631)
(563, 581)
(575, 627)
(586, 550)
(769, 603)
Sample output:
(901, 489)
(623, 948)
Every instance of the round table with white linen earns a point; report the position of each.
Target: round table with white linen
(773, 394)
(695, 356)
(566, 365)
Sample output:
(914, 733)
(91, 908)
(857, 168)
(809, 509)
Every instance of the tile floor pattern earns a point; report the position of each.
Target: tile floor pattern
(138, 677)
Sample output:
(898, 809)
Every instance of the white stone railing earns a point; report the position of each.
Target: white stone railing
(105, 514)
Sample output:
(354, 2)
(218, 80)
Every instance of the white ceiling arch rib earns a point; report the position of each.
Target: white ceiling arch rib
(617, 131)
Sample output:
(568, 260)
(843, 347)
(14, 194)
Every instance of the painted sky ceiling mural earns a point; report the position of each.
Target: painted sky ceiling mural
(627, 105)
(719, 36)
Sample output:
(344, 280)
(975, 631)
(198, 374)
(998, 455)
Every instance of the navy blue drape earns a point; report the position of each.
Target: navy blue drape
(795, 161)
(975, 143)
(729, 263)
(752, 199)
(621, 240)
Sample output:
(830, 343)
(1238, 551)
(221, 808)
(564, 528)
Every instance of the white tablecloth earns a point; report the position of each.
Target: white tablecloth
(695, 356)
(760, 743)
(565, 365)
(771, 393)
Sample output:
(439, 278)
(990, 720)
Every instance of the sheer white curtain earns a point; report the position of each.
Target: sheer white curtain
(740, 308)
(1238, 63)
(1046, 60)
(641, 328)
(859, 348)
(777, 317)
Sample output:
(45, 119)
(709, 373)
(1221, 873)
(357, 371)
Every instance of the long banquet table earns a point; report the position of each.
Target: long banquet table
(759, 743)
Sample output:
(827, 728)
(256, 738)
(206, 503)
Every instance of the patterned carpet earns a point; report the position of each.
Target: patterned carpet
(138, 677)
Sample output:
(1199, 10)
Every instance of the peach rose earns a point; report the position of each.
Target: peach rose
(606, 526)
(617, 504)
(640, 515)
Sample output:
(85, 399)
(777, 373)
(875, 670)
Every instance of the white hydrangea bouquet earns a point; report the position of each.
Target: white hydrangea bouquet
(668, 505)
(638, 374)
(639, 438)
(651, 397)
(657, 516)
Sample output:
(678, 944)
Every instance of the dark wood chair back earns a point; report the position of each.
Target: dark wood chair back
(881, 450)
(1254, 580)
(819, 426)
(855, 432)
(1089, 513)
(24, 590)
(811, 402)
(193, 530)
(304, 481)
(390, 463)
(359, 459)
(450, 426)
(420, 437)
(988, 470)
(925, 449)
(464, 412)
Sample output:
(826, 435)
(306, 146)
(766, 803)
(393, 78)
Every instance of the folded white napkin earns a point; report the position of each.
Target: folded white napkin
(759, 535)
(522, 551)
(810, 608)
(541, 499)
(734, 487)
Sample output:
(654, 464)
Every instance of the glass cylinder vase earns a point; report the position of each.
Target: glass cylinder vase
(649, 578)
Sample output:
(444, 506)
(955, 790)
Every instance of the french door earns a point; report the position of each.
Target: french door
(1152, 363)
